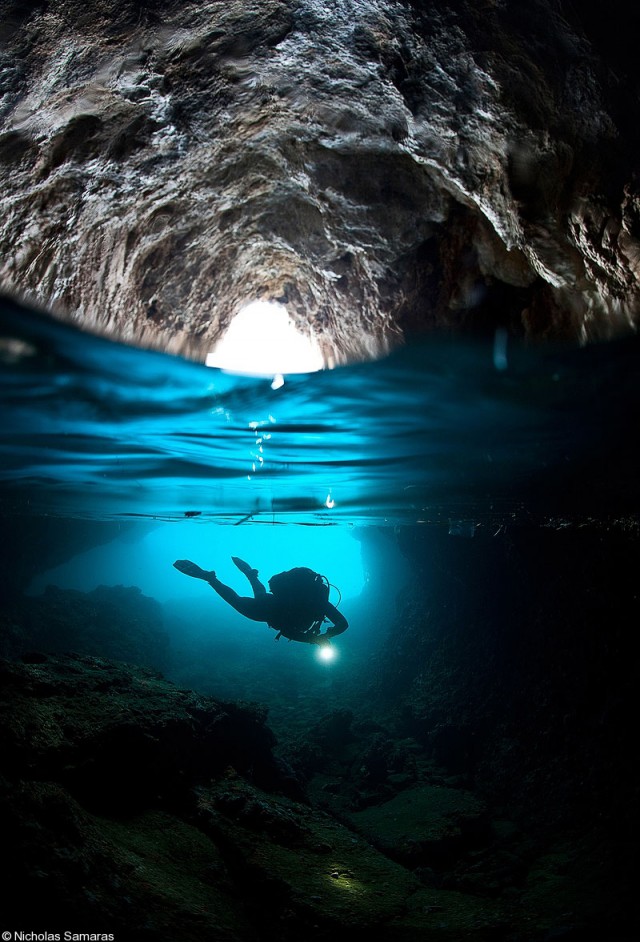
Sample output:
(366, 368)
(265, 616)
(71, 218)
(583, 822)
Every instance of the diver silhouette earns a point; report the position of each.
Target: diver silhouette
(296, 606)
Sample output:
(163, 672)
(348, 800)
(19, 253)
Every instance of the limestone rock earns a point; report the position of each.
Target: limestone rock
(381, 167)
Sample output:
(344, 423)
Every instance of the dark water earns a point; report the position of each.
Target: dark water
(477, 664)
(456, 431)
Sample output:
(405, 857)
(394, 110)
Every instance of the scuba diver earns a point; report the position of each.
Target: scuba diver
(296, 607)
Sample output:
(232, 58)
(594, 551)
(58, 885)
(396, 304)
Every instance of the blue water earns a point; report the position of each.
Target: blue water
(447, 430)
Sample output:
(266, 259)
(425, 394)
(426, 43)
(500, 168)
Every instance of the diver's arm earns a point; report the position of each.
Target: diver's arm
(340, 623)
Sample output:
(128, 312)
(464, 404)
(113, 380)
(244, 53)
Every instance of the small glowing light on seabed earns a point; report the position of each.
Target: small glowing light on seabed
(326, 653)
(330, 502)
(262, 340)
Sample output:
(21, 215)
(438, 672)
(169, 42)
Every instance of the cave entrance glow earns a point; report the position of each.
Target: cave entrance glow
(263, 341)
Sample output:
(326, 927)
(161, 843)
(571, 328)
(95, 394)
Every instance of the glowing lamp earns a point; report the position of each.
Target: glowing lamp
(326, 653)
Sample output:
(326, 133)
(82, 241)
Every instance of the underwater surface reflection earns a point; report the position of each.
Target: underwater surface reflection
(443, 429)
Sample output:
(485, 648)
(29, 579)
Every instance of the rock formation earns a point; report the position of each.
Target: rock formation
(381, 167)
(112, 621)
(131, 807)
(32, 543)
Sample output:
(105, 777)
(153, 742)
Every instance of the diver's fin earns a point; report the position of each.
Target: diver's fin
(244, 568)
(191, 569)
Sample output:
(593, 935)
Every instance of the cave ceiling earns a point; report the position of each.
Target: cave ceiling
(381, 167)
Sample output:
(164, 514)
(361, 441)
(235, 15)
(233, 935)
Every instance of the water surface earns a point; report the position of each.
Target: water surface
(462, 431)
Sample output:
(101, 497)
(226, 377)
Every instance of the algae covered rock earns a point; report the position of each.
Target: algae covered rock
(424, 825)
(131, 807)
(122, 737)
(301, 867)
(151, 876)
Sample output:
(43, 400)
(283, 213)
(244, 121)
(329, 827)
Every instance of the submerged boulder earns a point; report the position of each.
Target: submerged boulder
(424, 825)
(111, 621)
(121, 737)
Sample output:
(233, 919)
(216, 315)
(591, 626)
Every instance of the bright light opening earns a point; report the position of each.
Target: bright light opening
(326, 653)
(262, 340)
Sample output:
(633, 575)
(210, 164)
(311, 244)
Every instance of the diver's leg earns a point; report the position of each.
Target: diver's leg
(251, 574)
(255, 608)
